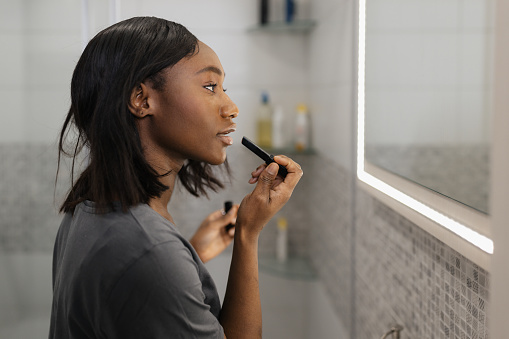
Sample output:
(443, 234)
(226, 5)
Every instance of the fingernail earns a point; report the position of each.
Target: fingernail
(272, 168)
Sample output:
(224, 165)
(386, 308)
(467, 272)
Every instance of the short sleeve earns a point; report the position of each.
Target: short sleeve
(160, 295)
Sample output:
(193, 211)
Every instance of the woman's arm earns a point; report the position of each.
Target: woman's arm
(241, 315)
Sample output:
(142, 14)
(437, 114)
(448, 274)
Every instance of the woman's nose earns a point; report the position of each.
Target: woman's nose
(229, 109)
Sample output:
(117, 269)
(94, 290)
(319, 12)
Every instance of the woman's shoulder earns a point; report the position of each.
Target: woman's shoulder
(115, 239)
(140, 224)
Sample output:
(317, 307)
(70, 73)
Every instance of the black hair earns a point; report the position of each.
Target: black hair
(113, 63)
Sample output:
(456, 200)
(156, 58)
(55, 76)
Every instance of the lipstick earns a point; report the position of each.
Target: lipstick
(268, 158)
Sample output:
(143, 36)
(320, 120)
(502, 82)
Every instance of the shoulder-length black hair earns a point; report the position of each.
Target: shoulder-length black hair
(115, 62)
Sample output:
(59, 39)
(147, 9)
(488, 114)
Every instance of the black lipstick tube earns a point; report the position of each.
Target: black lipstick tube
(268, 158)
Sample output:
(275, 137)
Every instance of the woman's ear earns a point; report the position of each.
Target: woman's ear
(138, 103)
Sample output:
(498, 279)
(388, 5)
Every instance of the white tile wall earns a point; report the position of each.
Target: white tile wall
(45, 112)
(330, 50)
(470, 125)
(50, 58)
(13, 119)
(12, 54)
(409, 59)
(423, 115)
(476, 14)
(439, 48)
(332, 123)
(331, 79)
(226, 15)
(474, 59)
(412, 14)
(52, 15)
(12, 16)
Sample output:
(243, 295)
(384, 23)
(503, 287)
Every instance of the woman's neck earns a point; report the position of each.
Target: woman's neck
(160, 204)
(166, 165)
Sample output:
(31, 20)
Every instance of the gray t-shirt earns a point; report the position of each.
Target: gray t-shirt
(129, 275)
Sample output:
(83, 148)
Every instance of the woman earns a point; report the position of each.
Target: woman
(147, 99)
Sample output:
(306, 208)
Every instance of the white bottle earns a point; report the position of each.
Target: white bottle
(302, 128)
(282, 240)
(278, 135)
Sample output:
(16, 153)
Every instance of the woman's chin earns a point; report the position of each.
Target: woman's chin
(220, 159)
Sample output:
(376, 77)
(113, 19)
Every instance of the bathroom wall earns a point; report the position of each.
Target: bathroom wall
(375, 268)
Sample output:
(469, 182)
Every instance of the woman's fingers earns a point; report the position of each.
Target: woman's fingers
(294, 170)
(256, 173)
(219, 218)
(230, 217)
(269, 195)
(265, 180)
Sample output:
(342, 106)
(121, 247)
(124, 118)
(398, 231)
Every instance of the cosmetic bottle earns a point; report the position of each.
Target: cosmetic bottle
(264, 12)
(290, 10)
(278, 135)
(264, 123)
(282, 240)
(302, 128)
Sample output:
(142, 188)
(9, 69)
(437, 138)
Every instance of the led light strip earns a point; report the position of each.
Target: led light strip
(461, 230)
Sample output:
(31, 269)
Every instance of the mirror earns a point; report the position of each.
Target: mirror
(427, 101)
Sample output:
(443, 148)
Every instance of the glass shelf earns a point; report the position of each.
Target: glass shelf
(293, 268)
(298, 26)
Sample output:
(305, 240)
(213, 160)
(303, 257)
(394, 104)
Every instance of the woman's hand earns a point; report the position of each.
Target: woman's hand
(211, 238)
(270, 194)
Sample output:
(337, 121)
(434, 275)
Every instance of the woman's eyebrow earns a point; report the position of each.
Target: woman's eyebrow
(213, 69)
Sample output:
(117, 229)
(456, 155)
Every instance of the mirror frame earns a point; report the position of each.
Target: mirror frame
(462, 228)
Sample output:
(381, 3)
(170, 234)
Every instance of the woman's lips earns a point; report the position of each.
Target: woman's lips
(225, 138)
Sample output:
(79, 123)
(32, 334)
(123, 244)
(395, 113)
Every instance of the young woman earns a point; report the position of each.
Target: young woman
(147, 100)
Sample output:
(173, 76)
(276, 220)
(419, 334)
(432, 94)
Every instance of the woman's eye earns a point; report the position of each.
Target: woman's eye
(211, 87)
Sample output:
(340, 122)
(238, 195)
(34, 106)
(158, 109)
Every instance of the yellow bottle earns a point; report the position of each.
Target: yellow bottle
(264, 123)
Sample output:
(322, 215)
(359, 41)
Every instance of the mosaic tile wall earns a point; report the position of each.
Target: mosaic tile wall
(405, 276)
(28, 218)
(402, 274)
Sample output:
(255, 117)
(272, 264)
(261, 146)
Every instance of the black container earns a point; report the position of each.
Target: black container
(264, 12)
